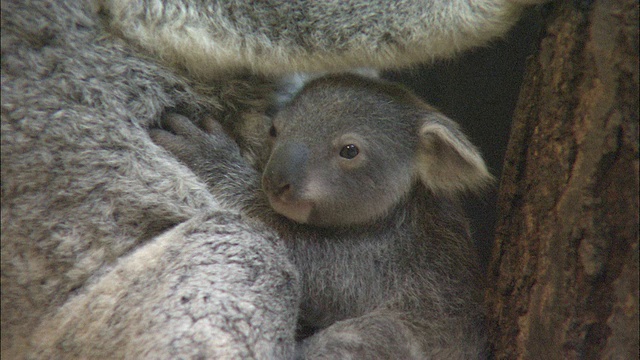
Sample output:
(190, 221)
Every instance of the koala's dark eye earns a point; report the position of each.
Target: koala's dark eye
(272, 131)
(349, 151)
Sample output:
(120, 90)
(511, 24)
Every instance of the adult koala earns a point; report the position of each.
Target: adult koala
(110, 247)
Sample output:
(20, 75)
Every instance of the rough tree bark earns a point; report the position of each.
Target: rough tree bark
(565, 265)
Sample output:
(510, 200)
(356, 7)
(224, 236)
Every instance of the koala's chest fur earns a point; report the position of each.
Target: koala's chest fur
(349, 272)
(344, 277)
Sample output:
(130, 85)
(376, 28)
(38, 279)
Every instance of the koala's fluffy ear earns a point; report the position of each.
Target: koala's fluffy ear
(447, 161)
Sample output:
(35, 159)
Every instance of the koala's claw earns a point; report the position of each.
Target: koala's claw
(178, 125)
(172, 134)
(192, 145)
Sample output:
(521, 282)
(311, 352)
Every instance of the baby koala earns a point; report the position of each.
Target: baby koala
(362, 182)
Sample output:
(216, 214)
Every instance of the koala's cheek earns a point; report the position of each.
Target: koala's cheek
(298, 211)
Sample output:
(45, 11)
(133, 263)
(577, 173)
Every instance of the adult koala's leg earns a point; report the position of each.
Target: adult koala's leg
(86, 197)
(211, 288)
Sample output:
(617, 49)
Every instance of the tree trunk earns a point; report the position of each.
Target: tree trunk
(564, 271)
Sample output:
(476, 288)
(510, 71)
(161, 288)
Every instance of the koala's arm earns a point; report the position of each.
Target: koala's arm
(216, 159)
(387, 334)
(212, 37)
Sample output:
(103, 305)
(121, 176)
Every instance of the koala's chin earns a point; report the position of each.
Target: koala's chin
(295, 210)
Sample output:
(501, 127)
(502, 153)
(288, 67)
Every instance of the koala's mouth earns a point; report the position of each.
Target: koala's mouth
(298, 211)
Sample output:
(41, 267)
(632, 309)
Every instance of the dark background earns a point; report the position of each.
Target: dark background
(479, 90)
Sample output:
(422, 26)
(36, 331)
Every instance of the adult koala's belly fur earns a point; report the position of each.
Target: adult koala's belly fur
(94, 263)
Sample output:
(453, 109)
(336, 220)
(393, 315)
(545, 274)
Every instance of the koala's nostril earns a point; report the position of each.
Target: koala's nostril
(284, 172)
(283, 190)
(275, 187)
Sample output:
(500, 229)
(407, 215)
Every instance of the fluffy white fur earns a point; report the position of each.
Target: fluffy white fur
(326, 36)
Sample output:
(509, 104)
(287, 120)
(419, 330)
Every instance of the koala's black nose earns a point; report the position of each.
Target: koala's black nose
(285, 170)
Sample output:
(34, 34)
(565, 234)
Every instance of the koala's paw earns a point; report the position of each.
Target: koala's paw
(321, 348)
(190, 144)
(529, 2)
(380, 336)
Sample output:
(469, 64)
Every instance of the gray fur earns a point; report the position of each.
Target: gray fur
(387, 263)
(92, 263)
(275, 37)
(97, 221)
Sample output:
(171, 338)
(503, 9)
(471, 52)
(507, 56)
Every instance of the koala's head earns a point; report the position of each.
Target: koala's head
(346, 149)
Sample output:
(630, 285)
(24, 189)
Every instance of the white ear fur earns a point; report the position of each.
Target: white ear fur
(447, 162)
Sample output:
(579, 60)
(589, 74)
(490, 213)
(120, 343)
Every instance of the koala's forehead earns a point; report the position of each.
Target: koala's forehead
(334, 108)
